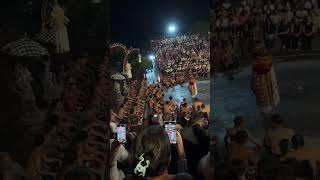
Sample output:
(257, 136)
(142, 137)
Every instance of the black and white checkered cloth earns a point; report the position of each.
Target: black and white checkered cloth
(25, 47)
(46, 37)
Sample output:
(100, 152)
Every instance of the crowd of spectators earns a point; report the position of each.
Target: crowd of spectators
(283, 155)
(192, 130)
(183, 53)
(149, 154)
(134, 105)
(238, 26)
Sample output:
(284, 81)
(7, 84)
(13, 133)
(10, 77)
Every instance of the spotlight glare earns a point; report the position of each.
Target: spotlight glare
(152, 57)
(172, 28)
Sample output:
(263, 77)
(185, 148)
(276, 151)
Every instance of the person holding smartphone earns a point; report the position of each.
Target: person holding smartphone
(118, 153)
(178, 160)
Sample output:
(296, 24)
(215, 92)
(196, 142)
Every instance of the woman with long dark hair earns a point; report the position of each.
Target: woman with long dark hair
(152, 154)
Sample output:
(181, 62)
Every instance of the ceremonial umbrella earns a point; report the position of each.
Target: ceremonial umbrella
(46, 37)
(118, 77)
(25, 47)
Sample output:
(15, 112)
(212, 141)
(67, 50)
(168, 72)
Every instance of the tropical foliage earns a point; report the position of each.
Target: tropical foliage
(141, 68)
(120, 56)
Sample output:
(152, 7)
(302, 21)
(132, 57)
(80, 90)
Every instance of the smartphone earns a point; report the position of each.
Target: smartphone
(170, 127)
(121, 133)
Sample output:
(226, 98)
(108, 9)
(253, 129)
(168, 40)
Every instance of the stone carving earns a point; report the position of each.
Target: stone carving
(117, 88)
(125, 88)
(22, 86)
(119, 97)
(117, 78)
(51, 87)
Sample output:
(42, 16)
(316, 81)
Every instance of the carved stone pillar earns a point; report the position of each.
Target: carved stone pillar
(22, 86)
(119, 98)
(125, 88)
(51, 87)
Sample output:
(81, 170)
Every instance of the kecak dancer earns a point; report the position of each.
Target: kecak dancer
(193, 88)
(264, 83)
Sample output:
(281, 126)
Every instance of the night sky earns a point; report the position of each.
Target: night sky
(135, 22)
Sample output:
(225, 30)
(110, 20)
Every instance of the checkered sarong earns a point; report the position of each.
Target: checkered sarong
(265, 88)
(46, 37)
(24, 47)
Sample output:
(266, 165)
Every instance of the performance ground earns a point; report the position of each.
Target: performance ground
(299, 105)
(180, 92)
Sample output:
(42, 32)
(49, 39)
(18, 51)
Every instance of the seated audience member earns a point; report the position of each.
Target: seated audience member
(301, 153)
(185, 108)
(172, 103)
(167, 111)
(152, 154)
(158, 107)
(205, 109)
(151, 102)
(196, 104)
(276, 134)
(161, 100)
(237, 150)
(184, 101)
(239, 125)
(168, 108)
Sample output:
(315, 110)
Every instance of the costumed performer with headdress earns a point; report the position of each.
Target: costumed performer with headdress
(193, 88)
(263, 82)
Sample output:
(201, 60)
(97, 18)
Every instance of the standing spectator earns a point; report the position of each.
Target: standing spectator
(307, 30)
(270, 34)
(118, 154)
(296, 30)
(283, 34)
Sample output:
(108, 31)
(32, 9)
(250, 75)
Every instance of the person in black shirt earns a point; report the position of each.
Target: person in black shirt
(307, 32)
(269, 31)
(283, 34)
(296, 30)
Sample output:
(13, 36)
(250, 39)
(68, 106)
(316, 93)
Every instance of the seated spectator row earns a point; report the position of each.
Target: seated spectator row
(236, 27)
(183, 53)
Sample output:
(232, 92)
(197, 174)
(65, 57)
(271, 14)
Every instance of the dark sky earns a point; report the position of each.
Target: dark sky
(135, 22)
